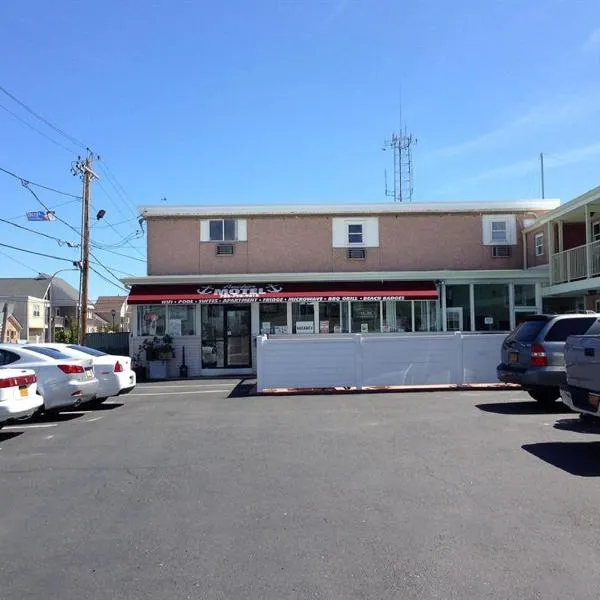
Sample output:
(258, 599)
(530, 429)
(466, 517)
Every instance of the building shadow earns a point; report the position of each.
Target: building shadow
(576, 458)
(524, 408)
(9, 435)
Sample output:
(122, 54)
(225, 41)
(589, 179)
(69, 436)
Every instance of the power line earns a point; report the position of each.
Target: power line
(23, 216)
(120, 286)
(19, 262)
(72, 139)
(110, 177)
(39, 253)
(44, 187)
(50, 237)
(117, 253)
(51, 139)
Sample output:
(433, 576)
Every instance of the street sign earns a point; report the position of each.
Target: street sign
(40, 215)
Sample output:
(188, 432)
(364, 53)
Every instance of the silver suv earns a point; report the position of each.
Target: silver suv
(533, 355)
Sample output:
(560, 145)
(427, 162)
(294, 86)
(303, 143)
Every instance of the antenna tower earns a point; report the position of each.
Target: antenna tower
(401, 146)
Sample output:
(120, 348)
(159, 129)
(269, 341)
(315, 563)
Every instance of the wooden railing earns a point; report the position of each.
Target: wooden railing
(575, 264)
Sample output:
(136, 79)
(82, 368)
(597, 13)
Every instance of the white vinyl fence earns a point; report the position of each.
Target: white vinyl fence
(361, 361)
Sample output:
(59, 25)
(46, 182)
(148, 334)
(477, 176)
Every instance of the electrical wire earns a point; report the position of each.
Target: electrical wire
(50, 237)
(23, 216)
(19, 262)
(117, 253)
(38, 253)
(69, 137)
(119, 285)
(118, 187)
(44, 187)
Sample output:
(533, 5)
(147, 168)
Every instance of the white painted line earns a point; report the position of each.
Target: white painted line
(153, 387)
(178, 393)
(49, 437)
(31, 426)
(93, 419)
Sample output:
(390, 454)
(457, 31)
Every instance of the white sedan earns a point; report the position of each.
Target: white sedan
(18, 395)
(61, 379)
(114, 373)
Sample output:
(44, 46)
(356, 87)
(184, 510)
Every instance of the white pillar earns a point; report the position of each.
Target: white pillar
(472, 305)
(588, 241)
(444, 318)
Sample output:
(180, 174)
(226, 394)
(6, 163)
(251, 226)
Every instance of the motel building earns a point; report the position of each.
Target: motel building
(219, 276)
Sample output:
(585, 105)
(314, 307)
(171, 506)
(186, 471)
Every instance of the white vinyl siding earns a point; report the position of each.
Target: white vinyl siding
(499, 230)
(223, 230)
(346, 229)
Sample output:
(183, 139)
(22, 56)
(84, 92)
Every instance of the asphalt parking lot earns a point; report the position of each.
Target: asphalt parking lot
(194, 490)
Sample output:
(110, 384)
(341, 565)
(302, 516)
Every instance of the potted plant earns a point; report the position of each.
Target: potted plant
(137, 364)
(158, 352)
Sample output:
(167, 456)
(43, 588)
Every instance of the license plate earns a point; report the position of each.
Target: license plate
(89, 374)
(23, 390)
(513, 357)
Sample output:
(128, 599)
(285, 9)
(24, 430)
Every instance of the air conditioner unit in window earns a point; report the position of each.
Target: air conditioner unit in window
(357, 253)
(224, 249)
(500, 251)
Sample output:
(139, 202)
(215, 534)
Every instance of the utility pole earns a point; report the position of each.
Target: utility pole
(84, 169)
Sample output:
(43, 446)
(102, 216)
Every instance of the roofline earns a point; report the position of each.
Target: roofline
(564, 209)
(158, 211)
(511, 274)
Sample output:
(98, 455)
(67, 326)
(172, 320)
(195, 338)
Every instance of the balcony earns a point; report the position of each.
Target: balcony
(575, 264)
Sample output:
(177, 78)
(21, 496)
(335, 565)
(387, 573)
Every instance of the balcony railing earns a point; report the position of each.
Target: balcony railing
(575, 264)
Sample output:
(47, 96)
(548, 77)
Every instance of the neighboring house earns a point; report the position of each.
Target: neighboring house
(30, 299)
(220, 276)
(121, 317)
(566, 241)
(12, 335)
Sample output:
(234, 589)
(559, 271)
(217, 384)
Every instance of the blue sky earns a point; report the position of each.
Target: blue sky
(263, 101)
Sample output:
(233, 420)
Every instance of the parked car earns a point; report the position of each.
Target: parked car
(114, 374)
(581, 392)
(18, 395)
(61, 379)
(533, 354)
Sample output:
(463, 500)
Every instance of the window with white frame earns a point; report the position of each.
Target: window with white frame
(355, 233)
(596, 231)
(498, 232)
(539, 244)
(36, 310)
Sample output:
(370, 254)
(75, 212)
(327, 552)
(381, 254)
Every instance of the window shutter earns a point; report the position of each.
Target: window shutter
(242, 230)
(204, 230)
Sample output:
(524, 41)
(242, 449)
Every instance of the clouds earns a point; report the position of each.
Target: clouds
(561, 110)
(593, 41)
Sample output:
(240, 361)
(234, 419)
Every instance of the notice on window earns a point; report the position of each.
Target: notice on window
(265, 327)
(364, 328)
(304, 327)
(280, 329)
(323, 326)
(174, 327)
(488, 320)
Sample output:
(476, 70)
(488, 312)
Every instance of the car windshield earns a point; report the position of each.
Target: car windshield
(86, 350)
(50, 352)
(528, 330)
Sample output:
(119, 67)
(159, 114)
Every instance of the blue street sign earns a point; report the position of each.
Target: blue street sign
(40, 215)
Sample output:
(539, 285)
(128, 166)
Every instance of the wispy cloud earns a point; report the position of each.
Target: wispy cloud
(593, 41)
(538, 118)
(524, 167)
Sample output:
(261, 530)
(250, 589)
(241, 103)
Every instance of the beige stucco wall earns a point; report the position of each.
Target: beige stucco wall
(304, 244)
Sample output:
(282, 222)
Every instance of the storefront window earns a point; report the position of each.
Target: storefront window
(330, 318)
(303, 317)
(458, 308)
(491, 307)
(151, 319)
(180, 320)
(213, 338)
(273, 318)
(524, 295)
(397, 316)
(365, 317)
(426, 315)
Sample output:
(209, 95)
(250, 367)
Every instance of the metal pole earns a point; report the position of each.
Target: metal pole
(85, 266)
(542, 172)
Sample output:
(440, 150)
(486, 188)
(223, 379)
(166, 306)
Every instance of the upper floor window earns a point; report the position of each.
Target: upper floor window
(499, 231)
(355, 233)
(36, 310)
(596, 231)
(223, 230)
(539, 244)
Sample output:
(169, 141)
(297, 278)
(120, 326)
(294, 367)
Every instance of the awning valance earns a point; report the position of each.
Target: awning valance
(334, 291)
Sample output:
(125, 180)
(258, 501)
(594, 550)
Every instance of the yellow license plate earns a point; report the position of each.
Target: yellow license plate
(23, 390)
(513, 357)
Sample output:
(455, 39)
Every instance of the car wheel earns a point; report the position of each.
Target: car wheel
(546, 397)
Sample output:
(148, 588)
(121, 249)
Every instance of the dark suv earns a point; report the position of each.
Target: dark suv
(533, 355)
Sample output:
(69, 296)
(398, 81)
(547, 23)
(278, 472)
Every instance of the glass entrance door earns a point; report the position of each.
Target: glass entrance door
(238, 337)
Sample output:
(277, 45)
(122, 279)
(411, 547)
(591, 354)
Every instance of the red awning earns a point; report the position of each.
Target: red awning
(282, 292)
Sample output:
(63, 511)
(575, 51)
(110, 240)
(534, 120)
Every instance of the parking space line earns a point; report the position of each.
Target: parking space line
(164, 387)
(93, 419)
(30, 426)
(180, 393)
